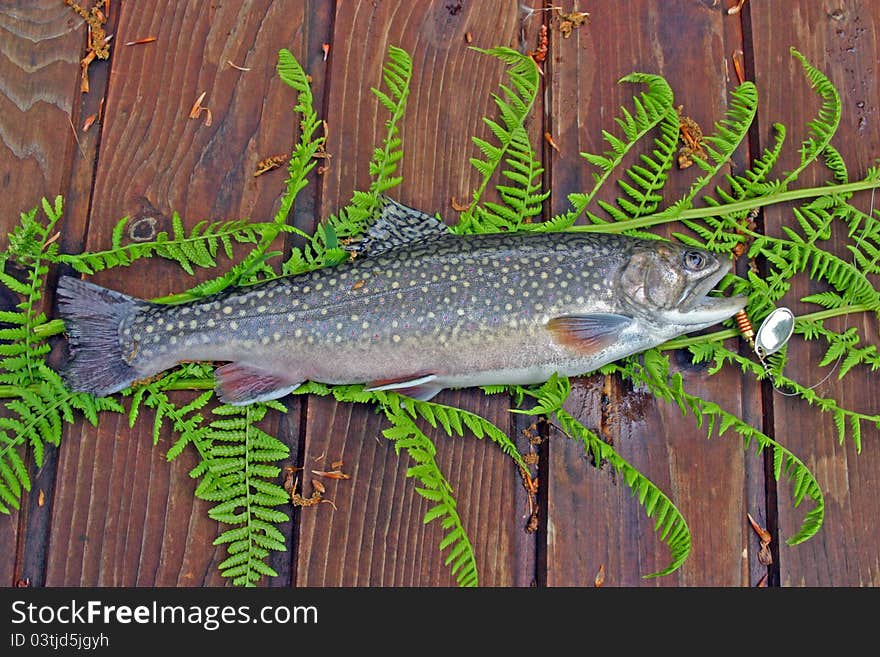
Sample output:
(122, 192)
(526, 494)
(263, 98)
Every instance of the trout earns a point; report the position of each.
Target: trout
(419, 309)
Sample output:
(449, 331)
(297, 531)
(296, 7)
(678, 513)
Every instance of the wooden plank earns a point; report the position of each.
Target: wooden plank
(123, 516)
(39, 78)
(376, 535)
(842, 41)
(593, 520)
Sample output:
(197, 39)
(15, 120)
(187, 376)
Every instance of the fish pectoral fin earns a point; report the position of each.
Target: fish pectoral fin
(416, 387)
(588, 333)
(239, 384)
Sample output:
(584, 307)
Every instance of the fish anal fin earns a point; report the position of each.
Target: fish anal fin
(239, 384)
(416, 386)
(588, 333)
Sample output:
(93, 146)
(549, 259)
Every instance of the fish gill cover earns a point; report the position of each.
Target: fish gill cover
(238, 470)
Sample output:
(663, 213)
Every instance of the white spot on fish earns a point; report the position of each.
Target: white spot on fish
(149, 328)
(297, 333)
(276, 336)
(227, 310)
(395, 338)
(261, 294)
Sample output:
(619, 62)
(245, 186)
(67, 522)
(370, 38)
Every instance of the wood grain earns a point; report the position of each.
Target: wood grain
(39, 53)
(842, 41)
(124, 516)
(451, 90)
(593, 519)
(116, 513)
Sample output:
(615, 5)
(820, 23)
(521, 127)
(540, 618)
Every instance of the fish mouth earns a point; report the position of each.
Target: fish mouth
(700, 310)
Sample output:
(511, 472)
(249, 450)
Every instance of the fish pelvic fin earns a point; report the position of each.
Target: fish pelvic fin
(420, 388)
(589, 333)
(239, 384)
(394, 225)
(92, 317)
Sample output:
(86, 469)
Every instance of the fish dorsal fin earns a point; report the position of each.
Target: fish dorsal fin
(396, 224)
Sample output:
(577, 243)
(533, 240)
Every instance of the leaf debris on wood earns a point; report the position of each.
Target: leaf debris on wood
(99, 43)
(138, 42)
(198, 108)
(737, 57)
(692, 136)
(599, 580)
(736, 8)
(552, 142)
(569, 21)
(269, 163)
(764, 554)
(540, 54)
(331, 474)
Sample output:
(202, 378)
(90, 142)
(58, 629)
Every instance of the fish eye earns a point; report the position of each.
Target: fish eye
(694, 260)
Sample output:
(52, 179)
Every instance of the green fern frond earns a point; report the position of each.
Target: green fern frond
(669, 524)
(654, 374)
(302, 159)
(197, 248)
(396, 76)
(514, 105)
(728, 134)
(406, 435)
(242, 458)
(41, 403)
(824, 126)
(652, 108)
(522, 198)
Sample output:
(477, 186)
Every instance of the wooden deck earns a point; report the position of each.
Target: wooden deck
(107, 509)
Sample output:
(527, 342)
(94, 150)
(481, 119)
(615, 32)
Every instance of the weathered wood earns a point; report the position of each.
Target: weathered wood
(842, 41)
(39, 77)
(123, 515)
(449, 94)
(116, 513)
(593, 519)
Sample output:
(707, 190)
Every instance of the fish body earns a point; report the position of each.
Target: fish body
(420, 309)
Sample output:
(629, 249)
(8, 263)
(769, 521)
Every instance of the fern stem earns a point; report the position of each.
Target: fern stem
(670, 215)
(48, 329)
(717, 336)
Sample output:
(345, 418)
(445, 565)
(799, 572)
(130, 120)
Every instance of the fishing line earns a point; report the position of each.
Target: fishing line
(777, 328)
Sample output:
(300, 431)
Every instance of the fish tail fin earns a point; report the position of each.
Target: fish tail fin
(92, 315)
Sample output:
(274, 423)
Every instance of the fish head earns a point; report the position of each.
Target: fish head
(668, 285)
